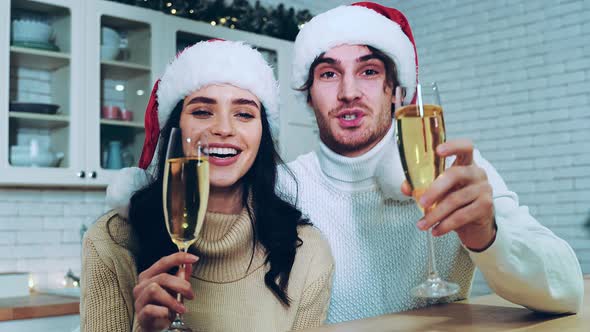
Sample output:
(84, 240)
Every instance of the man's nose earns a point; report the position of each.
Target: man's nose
(349, 89)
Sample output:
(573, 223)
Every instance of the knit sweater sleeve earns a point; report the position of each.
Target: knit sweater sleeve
(106, 292)
(313, 309)
(528, 264)
(313, 306)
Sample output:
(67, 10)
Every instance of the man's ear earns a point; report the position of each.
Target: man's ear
(397, 97)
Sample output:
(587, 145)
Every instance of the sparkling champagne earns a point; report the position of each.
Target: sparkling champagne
(186, 193)
(418, 138)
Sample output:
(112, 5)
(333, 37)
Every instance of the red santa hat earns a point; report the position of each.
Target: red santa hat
(362, 23)
(209, 62)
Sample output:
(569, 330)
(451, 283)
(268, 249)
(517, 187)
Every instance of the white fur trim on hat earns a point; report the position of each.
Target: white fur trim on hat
(354, 25)
(125, 183)
(218, 62)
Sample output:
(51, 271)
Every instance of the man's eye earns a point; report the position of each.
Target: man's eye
(328, 74)
(371, 72)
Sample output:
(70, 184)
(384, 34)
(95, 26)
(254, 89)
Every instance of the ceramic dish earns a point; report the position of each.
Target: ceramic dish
(40, 46)
(26, 30)
(41, 108)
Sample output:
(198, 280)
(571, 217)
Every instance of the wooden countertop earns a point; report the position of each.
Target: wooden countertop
(479, 314)
(38, 305)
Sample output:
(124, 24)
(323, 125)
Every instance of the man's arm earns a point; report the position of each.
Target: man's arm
(527, 264)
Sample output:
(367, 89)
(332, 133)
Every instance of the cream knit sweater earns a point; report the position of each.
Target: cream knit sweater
(380, 254)
(229, 296)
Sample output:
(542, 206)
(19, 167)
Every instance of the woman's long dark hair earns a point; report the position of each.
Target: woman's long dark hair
(275, 220)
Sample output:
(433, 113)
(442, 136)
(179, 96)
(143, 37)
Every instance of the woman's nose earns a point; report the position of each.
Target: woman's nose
(222, 127)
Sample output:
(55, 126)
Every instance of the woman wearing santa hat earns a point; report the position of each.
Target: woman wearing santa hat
(260, 265)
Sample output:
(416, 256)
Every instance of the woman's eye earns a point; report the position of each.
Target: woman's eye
(200, 113)
(245, 115)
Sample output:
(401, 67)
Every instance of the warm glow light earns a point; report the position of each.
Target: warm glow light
(169, 4)
(31, 282)
(140, 92)
(232, 26)
(173, 11)
(191, 11)
(75, 284)
(213, 23)
(222, 20)
(119, 87)
(234, 19)
(301, 26)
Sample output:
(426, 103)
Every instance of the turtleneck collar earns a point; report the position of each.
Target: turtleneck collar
(225, 248)
(353, 172)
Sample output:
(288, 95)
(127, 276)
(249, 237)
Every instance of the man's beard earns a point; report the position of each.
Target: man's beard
(346, 143)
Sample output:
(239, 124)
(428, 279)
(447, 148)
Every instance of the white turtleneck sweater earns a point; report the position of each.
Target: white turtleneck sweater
(380, 254)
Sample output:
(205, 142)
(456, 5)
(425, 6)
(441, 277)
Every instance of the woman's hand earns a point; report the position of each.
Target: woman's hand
(460, 199)
(155, 293)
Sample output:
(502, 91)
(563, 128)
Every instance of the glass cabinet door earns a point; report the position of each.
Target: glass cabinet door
(125, 77)
(42, 101)
(122, 50)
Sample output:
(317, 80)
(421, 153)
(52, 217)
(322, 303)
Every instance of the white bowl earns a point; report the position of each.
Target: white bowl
(22, 156)
(110, 37)
(108, 52)
(24, 30)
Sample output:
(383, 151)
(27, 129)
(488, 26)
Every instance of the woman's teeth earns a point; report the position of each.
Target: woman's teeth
(349, 117)
(221, 152)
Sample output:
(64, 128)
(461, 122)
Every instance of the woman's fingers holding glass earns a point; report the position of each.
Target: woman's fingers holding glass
(166, 263)
(155, 294)
(153, 317)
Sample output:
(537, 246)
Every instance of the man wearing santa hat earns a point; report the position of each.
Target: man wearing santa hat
(347, 63)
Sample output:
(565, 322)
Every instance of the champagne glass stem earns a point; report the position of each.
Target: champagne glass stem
(178, 322)
(432, 272)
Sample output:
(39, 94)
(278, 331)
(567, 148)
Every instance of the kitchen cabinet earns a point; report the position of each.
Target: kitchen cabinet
(74, 108)
(40, 71)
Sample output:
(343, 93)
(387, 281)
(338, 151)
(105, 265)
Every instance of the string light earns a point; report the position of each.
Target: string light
(173, 11)
(169, 4)
(213, 23)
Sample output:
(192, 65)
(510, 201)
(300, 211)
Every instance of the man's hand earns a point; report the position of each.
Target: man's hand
(460, 199)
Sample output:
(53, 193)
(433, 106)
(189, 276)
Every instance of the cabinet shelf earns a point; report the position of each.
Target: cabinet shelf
(120, 70)
(38, 59)
(39, 120)
(117, 123)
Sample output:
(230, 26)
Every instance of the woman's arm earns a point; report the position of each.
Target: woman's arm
(313, 309)
(103, 306)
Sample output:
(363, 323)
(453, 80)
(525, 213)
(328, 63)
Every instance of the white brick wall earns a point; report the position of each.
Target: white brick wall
(40, 231)
(515, 78)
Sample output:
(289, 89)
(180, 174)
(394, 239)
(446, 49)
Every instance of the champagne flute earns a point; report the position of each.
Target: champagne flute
(185, 195)
(420, 129)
